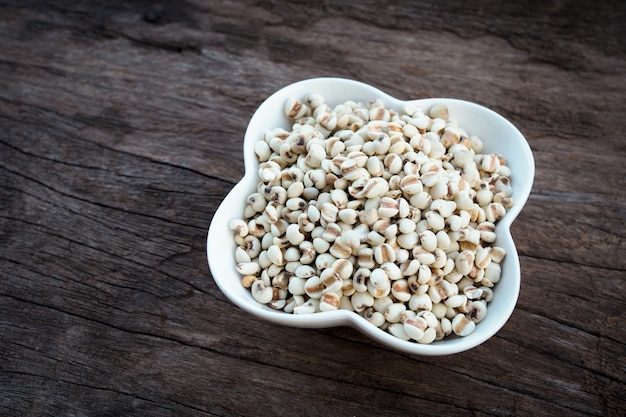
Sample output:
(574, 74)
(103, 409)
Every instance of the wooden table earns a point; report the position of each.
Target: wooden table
(121, 131)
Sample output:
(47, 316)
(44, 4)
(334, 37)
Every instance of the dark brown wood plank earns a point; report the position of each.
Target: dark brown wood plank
(121, 128)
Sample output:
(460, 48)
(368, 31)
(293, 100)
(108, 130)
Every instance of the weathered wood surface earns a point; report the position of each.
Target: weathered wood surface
(121, 129)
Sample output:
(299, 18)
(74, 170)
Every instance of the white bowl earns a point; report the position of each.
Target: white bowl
(498, 135)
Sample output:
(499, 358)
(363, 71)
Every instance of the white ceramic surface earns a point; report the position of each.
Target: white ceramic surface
(498, 135)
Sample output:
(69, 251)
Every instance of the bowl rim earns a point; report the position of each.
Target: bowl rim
(447, 346)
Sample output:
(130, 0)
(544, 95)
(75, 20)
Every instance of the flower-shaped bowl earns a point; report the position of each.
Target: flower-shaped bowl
(498, 135)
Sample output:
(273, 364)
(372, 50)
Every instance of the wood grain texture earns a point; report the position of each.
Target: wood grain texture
(121, 130)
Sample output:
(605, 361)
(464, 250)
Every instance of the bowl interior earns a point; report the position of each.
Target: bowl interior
(497, 134)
